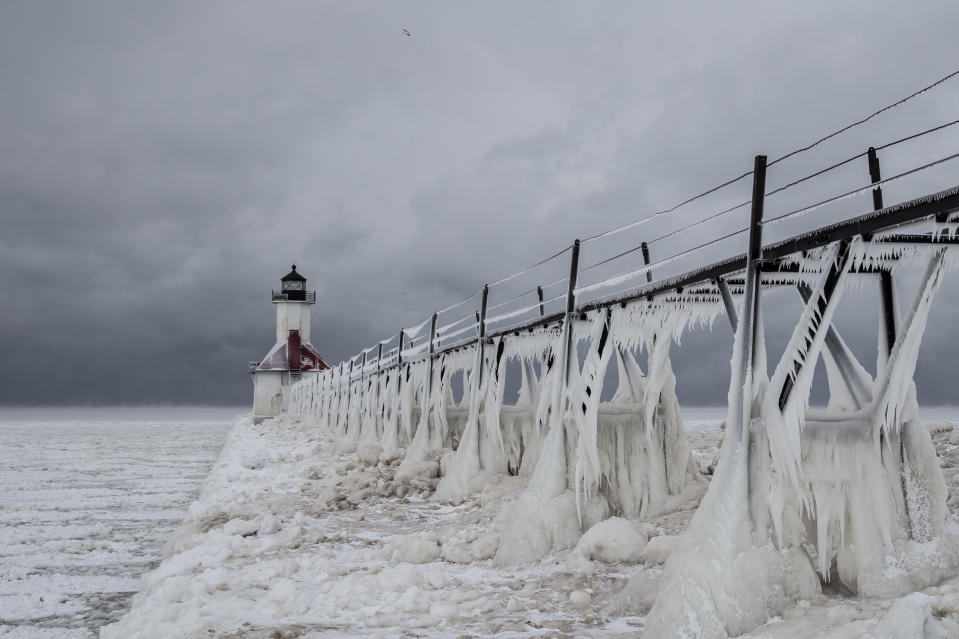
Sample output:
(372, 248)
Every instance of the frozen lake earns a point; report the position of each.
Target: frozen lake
(89, 498)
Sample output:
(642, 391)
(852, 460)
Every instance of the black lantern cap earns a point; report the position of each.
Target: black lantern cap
(293, 276)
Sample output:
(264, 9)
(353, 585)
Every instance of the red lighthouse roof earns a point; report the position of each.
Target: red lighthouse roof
(278, 359)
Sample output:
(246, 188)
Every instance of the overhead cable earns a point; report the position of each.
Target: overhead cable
(865, 119)
(854, 192)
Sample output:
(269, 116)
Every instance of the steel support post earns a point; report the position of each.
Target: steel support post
(562, 382)
(742, 412)
(645, 248)
(886, 290)
(432, 350)
(570, 307)
(478, 365)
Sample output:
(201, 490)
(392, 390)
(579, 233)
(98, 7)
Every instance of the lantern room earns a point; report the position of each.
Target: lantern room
(292, 287)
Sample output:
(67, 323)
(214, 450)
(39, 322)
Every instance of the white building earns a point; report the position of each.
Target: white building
(293, 356)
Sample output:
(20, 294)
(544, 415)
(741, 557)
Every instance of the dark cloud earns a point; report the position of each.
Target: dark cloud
(163, 164)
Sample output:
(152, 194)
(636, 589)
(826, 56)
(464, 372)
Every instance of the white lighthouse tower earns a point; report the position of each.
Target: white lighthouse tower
(293, 356)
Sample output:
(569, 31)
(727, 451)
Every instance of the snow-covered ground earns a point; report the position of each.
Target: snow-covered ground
(290, 538)
(89, 496)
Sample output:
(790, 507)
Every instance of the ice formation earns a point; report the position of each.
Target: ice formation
(848, 497)
(858, 484)
(626, 457)
(586, 459)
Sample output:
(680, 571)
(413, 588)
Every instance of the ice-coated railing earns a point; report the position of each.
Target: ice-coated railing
(614, 275)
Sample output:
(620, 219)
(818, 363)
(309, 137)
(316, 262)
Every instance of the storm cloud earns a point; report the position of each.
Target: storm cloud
(163, 164)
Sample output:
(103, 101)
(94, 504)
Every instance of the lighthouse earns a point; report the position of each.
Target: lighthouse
(292, 356)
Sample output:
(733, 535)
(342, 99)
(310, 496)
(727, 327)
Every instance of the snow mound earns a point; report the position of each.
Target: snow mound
(535, 528)
(368, 453)
(910, 618)
(413, 549)
(466, 552)
(640, 592)
(615, 540)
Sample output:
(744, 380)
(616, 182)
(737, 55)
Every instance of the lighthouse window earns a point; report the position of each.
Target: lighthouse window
(294, 286)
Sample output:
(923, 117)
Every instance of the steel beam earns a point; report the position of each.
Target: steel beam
(728, 303)
(945, 201)
(822, 304)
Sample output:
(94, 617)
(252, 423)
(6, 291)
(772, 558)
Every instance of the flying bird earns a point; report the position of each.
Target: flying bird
(407, 33)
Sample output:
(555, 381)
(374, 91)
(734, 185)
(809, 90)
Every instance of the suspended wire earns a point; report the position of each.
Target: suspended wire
(665, 211)
(865, 119)
(522, 310)
(511, 299)
(790, 154)
(861, 155)
(817, 173)
(441, 330)
(917, 135)
(413, 332)
(702, 221)
(527, 292)
(506, 279)
(459, 331)
(530, 268)
(864, 189)
(649, 267)
(773, 192)
(460, 303)
(665, 236)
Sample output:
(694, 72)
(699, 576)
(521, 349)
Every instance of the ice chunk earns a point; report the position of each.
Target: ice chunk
(413, 549)
(614, 540)
(910, 618)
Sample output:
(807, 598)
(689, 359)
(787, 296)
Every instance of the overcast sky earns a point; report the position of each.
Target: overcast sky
(163, 164)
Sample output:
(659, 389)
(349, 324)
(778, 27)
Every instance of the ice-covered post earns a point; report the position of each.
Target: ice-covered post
(875, 176)
(432, 350)
(562, 380)
(480, 342)
(539, 293)
(478, 362)
(339, 397)
(559, 397)
(379, 380)
(482, 316)
(742, 410)
(649, 273)
(885, 277)
(570, 307)
(399, 360)
(349, 395)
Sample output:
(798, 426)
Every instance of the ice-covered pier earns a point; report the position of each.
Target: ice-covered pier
(850, 496)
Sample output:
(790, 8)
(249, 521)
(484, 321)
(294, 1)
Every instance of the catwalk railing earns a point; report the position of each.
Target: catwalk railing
(635, 271)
